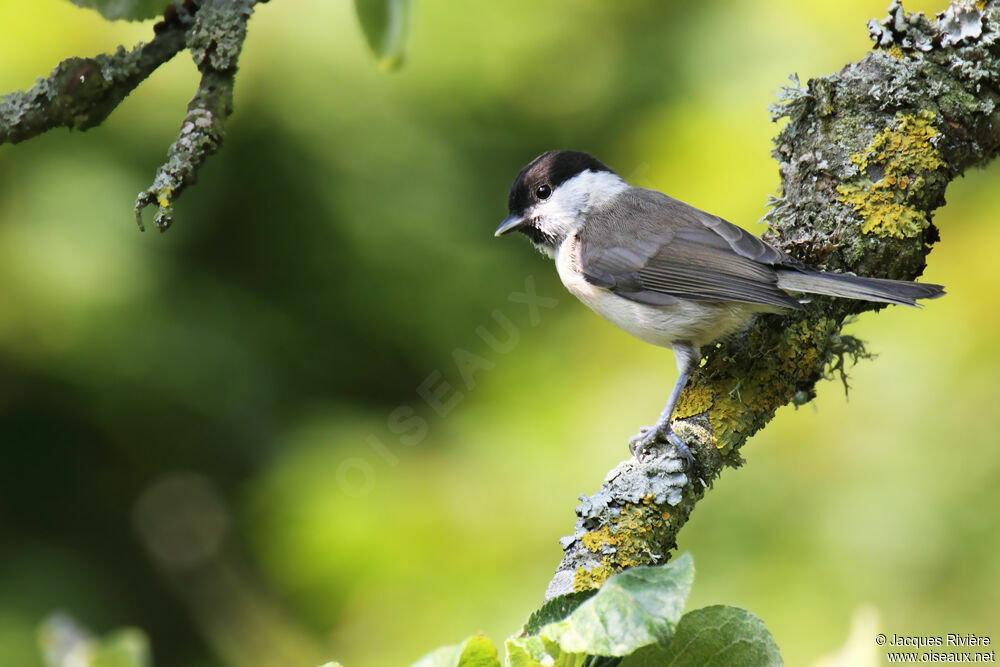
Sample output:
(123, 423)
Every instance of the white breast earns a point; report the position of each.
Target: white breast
(695, 322)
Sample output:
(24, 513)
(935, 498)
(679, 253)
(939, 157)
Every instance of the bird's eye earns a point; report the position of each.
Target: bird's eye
(543, 191)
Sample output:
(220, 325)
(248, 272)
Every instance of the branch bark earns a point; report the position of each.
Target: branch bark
(81, 93)
(215, 41)
(865, 158)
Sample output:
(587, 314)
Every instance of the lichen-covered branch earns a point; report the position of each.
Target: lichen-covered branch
(201, 135)
(81, 92)
(215, 42)
(865, 158)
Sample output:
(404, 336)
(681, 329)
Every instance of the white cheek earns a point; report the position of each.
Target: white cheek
(561, 214)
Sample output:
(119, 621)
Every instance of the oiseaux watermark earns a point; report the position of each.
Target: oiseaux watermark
(443, 390)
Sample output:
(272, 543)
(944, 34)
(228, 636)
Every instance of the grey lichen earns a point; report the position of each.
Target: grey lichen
(961, 22)
(621, 524)
(864, 158)
(81, 92)
(215, 42)
(220, 28)
(911, 31)
(201, 134)
(792, 100)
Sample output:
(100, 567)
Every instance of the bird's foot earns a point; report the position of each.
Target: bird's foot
(636, 444)
(640, 443)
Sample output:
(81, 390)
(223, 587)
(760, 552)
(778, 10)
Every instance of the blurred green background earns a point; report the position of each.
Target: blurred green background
(201, 433)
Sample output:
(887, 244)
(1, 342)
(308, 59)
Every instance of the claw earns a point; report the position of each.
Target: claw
(640, 444)
(682, 448)
(636, 441)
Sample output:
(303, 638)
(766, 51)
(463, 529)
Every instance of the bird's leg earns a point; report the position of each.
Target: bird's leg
(687, 360)
(639, 443)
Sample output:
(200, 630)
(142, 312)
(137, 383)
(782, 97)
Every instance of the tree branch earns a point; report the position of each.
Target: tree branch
(82, 92)
(215, 42)
(865, 158)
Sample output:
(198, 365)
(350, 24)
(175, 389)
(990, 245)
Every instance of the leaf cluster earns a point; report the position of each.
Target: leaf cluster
(636, 619)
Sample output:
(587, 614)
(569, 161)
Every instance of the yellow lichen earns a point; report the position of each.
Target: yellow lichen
(163, 197)
(596, 539)
(909, 163)
(694, 400)
(776, 365)
(585, 579)
(738, 408)
(896, 52)
(630, 539)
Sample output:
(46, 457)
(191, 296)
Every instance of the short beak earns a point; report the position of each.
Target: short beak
(510, 223)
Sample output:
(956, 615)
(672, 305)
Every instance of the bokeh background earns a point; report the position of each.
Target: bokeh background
(216, 434)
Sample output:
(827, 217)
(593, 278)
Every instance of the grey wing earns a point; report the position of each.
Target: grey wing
(652, 249)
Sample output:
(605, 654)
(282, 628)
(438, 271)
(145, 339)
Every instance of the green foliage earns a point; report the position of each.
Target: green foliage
(637, 607)
(385, 24)
(716, 635)
(477, 651)
(537, 651)
(554, 610)
(130, 10)
(636, 615)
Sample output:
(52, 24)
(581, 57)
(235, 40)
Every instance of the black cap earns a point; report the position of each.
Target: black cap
(551, 169)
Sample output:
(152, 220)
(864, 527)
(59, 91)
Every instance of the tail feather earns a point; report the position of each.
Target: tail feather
(855, 287)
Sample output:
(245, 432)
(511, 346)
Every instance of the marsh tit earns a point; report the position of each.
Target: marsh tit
(664, 271)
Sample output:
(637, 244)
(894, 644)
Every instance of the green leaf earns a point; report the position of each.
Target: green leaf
(130, 10)
(640, 606)
(476, 651)
(554, 610)
(717, 635)
(536, 651)
(653, 655)
(385, 24)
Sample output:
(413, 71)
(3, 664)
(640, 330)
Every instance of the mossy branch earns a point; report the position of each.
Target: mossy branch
(81, 93)
(865, 158)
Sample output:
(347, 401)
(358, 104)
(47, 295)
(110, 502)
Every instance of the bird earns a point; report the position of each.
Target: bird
(663, 271)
